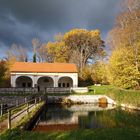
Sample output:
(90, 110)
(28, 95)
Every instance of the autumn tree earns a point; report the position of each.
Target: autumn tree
(36, 45)
(99, 73)
(2, 72)
(55, 51)
(124, 40)
(58, 51)
(123, 72)
(126, 32)
(43, 55)
(17, 53)
(85, 78)
(83, 45)
(96, 73)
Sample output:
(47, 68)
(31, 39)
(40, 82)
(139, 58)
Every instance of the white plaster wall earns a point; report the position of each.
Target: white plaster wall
(13, 81)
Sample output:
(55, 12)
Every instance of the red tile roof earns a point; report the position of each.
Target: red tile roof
(44, 67)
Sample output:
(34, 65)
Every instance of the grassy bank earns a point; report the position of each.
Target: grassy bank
(131, 97)
(105, 134)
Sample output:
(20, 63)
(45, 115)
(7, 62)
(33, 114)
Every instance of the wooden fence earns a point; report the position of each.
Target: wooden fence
(12, 103)
(29, 104)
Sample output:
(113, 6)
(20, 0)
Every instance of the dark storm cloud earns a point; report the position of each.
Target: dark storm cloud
(22, 20)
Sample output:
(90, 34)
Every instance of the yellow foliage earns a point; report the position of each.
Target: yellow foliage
(79, 32)
(122, 69)
(58, 50)
(86, 43)
(100, 73)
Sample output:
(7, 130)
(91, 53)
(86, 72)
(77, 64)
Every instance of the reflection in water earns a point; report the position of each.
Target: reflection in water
(87, 116)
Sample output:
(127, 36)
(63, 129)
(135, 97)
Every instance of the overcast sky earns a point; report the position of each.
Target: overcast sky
(22, 20)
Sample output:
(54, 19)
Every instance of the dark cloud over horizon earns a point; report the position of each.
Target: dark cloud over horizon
(22, 20)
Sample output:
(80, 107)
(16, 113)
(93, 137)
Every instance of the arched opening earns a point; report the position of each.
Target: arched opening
(24, 82)
(65, 82)
(45, 82)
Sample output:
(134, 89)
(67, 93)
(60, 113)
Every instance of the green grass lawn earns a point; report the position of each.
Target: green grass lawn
(99, 134)
(119, 95)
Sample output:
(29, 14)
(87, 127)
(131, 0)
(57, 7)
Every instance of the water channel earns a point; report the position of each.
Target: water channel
(86, 116)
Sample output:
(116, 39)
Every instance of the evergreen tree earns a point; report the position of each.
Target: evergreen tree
(34, 58)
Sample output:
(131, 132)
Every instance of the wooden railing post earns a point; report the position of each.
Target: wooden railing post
(45, 91)
(35, 101)
(16, 103)
(9, 119)
(25, 100)
(1, 109)
(27, 108)
(39, 99)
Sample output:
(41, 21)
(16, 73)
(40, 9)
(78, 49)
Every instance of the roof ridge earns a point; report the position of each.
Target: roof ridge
(43, 63)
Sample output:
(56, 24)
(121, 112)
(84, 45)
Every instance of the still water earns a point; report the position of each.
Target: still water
(64, 118)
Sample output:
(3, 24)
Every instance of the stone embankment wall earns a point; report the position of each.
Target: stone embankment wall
(125, 106)
(80, 98)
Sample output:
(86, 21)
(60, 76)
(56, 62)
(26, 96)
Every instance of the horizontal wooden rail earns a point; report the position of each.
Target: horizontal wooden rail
(29, 104)
(3, 110)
